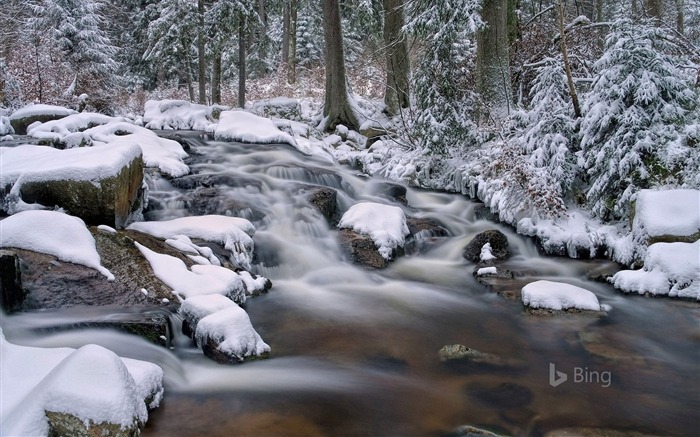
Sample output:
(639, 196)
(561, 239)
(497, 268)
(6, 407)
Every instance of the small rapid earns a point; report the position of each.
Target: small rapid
(355, 351)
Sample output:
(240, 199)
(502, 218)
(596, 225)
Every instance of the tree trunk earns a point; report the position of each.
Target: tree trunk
(188, 65)
(635, 11)
(216, 79)
(655, 9)
(202, 73)
(285, 32)
(292, 66)
(241, 60)
(492, 60)
(398, 67)
(680, 19)
(565, 56)
(336, 109)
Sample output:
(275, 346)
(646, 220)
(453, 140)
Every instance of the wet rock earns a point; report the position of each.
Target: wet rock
(392, 191)
(325, 200)
(498, 241)
(595, 432)
(473, 431)
(360, 249)
(424, 233)
(601, 271)
(12, 294)
(307, 173)
(598, 344)
(109, 201)
(212, 200)
(190, 182)
(504, 396)
(461, 356)
(65, 425)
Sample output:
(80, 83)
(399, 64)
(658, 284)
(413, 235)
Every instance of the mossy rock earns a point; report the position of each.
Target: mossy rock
(67, 425)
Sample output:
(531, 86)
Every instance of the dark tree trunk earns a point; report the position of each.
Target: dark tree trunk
(655, 9)
(680, 19)
(398, 67)
(565, 56)
(336, 109)
(285, 32)
(216, 79)
(241, 60)
(292, 67)
(202, 73)
(493, 62)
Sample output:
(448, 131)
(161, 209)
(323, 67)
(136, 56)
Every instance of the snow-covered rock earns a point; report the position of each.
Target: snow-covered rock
(385, 224)
(281, 107)
(671, 269)
(5, 126)
(234, 233)
(667, 216)
(24, 117)
(558, 296)
(179, 114)
(222, 329)
(64, 391)
(249, 128)
(68, 131)
(497, 246)
(102, 186)
(53, 233)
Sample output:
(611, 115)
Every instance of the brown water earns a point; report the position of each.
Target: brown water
(355, 352)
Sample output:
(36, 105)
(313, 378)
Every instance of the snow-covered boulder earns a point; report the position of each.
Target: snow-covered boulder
(280, 107)
(68, 131)
(179, 114)
(498, 246)
(234, 233)
(24, 117)
(671, 269)
(245, 127)
(53, 233)
(89, 391)
(558, 296)
(667, 216)
(384, 224)
(101, 186)
(5, 126)
(223, 329)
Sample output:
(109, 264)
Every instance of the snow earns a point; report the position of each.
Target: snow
(37, 110)
(667, 212)
(199, 280)
(91, 383)
(53, 233)
(234, 233)
(671, 269)
(217, 317)
(486, 253)
(199, 254)
(232, 328)
(178, 114)
(26, 163)
(69, 129)
(5, 127)
(385, 224)
(107, 229)
(484, 271)
(558, 296)
(249, 128)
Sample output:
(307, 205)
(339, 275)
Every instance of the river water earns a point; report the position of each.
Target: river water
(355, 351)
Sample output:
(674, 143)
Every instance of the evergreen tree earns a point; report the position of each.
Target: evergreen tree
(445, 104)
(78, 28)
(634, 118)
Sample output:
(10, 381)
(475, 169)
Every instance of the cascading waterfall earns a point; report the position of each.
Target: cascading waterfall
(355, 351)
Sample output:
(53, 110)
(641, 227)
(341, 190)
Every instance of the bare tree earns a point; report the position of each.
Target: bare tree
(336, 109)
(201, 55)
(492, 61)
(242, 40)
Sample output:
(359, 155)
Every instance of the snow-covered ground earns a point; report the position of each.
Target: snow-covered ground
(91, 383)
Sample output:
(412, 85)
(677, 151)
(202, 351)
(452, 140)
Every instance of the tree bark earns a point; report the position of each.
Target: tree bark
(241, 60)
(398, 66)
(216, 79)
(285, 32)
(336, 109)
(655, 9)
(202, 73)
(680, 17)
(292, 66)
(565, 56)
(492, 60)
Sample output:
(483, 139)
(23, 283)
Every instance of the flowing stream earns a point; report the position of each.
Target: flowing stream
(355, 351)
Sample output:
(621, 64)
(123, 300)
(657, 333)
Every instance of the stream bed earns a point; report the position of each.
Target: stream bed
(355, 351)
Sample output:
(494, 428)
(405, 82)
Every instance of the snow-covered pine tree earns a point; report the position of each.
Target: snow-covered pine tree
(445, 104)
(78, 28)
(634, 117)
(309, 47)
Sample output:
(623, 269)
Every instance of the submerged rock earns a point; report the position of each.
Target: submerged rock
(497, 240)
(504, 396)
(424, 233)
(460, 355)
